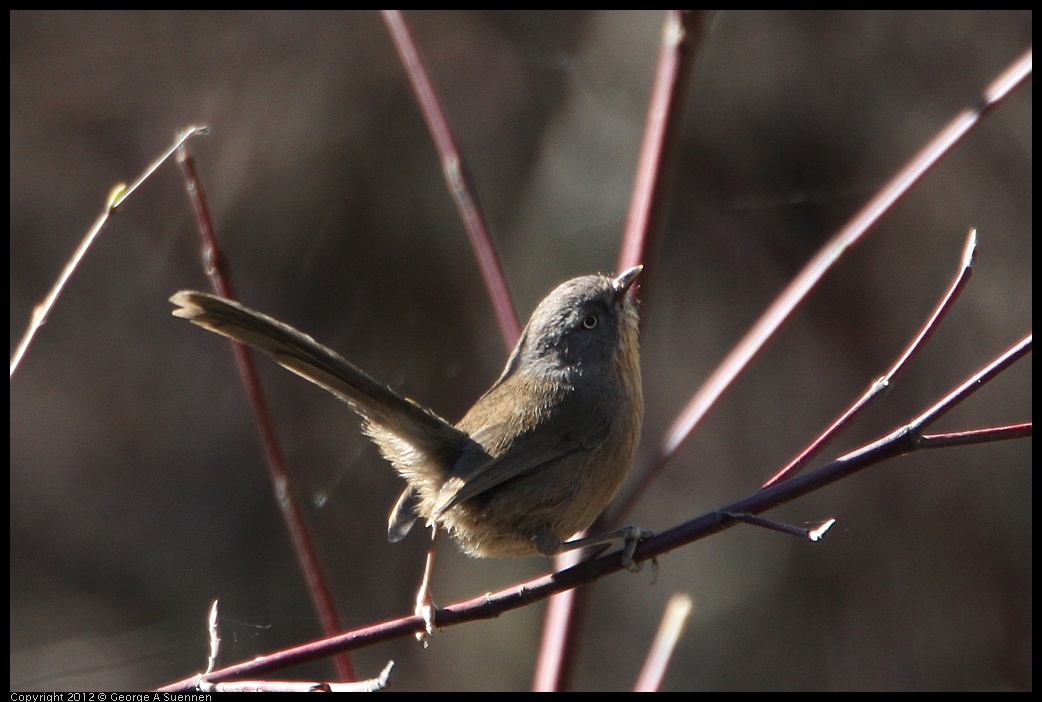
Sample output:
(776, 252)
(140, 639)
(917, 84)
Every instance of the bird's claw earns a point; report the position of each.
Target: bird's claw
(633, 535)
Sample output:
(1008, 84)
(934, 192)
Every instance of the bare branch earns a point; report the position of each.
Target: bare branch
(795, 291)
(117, 196)
(461, 185)
(903, 440)
(278, 471)
(881, 386)
(674, 619)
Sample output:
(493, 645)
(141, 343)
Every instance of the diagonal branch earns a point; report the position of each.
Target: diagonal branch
(906, 439)
(117, 196)
(883, 385)
(461, 185)
(957, 129)
(278, 471)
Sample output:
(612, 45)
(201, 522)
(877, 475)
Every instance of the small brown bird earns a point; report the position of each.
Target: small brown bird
(538, 456)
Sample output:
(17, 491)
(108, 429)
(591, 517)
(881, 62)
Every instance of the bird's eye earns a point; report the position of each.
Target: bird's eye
(590, 321)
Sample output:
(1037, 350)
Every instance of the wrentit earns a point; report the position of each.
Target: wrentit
(538, 456)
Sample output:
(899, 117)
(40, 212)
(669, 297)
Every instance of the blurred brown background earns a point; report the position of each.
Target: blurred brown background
(138, 489)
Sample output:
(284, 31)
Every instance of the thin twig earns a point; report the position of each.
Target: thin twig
(976, 436)
(971, 385)
(674, 619)
(814, 533)
(370, 685)
(881, 386)
(117, 196)
(214, 634)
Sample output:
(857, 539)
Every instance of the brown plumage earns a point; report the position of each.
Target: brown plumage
(538, 456)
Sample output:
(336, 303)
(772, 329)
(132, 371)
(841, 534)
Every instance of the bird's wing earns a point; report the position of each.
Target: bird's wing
(477, 471)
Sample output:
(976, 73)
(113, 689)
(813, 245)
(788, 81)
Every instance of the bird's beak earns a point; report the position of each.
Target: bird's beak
(624, 280)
